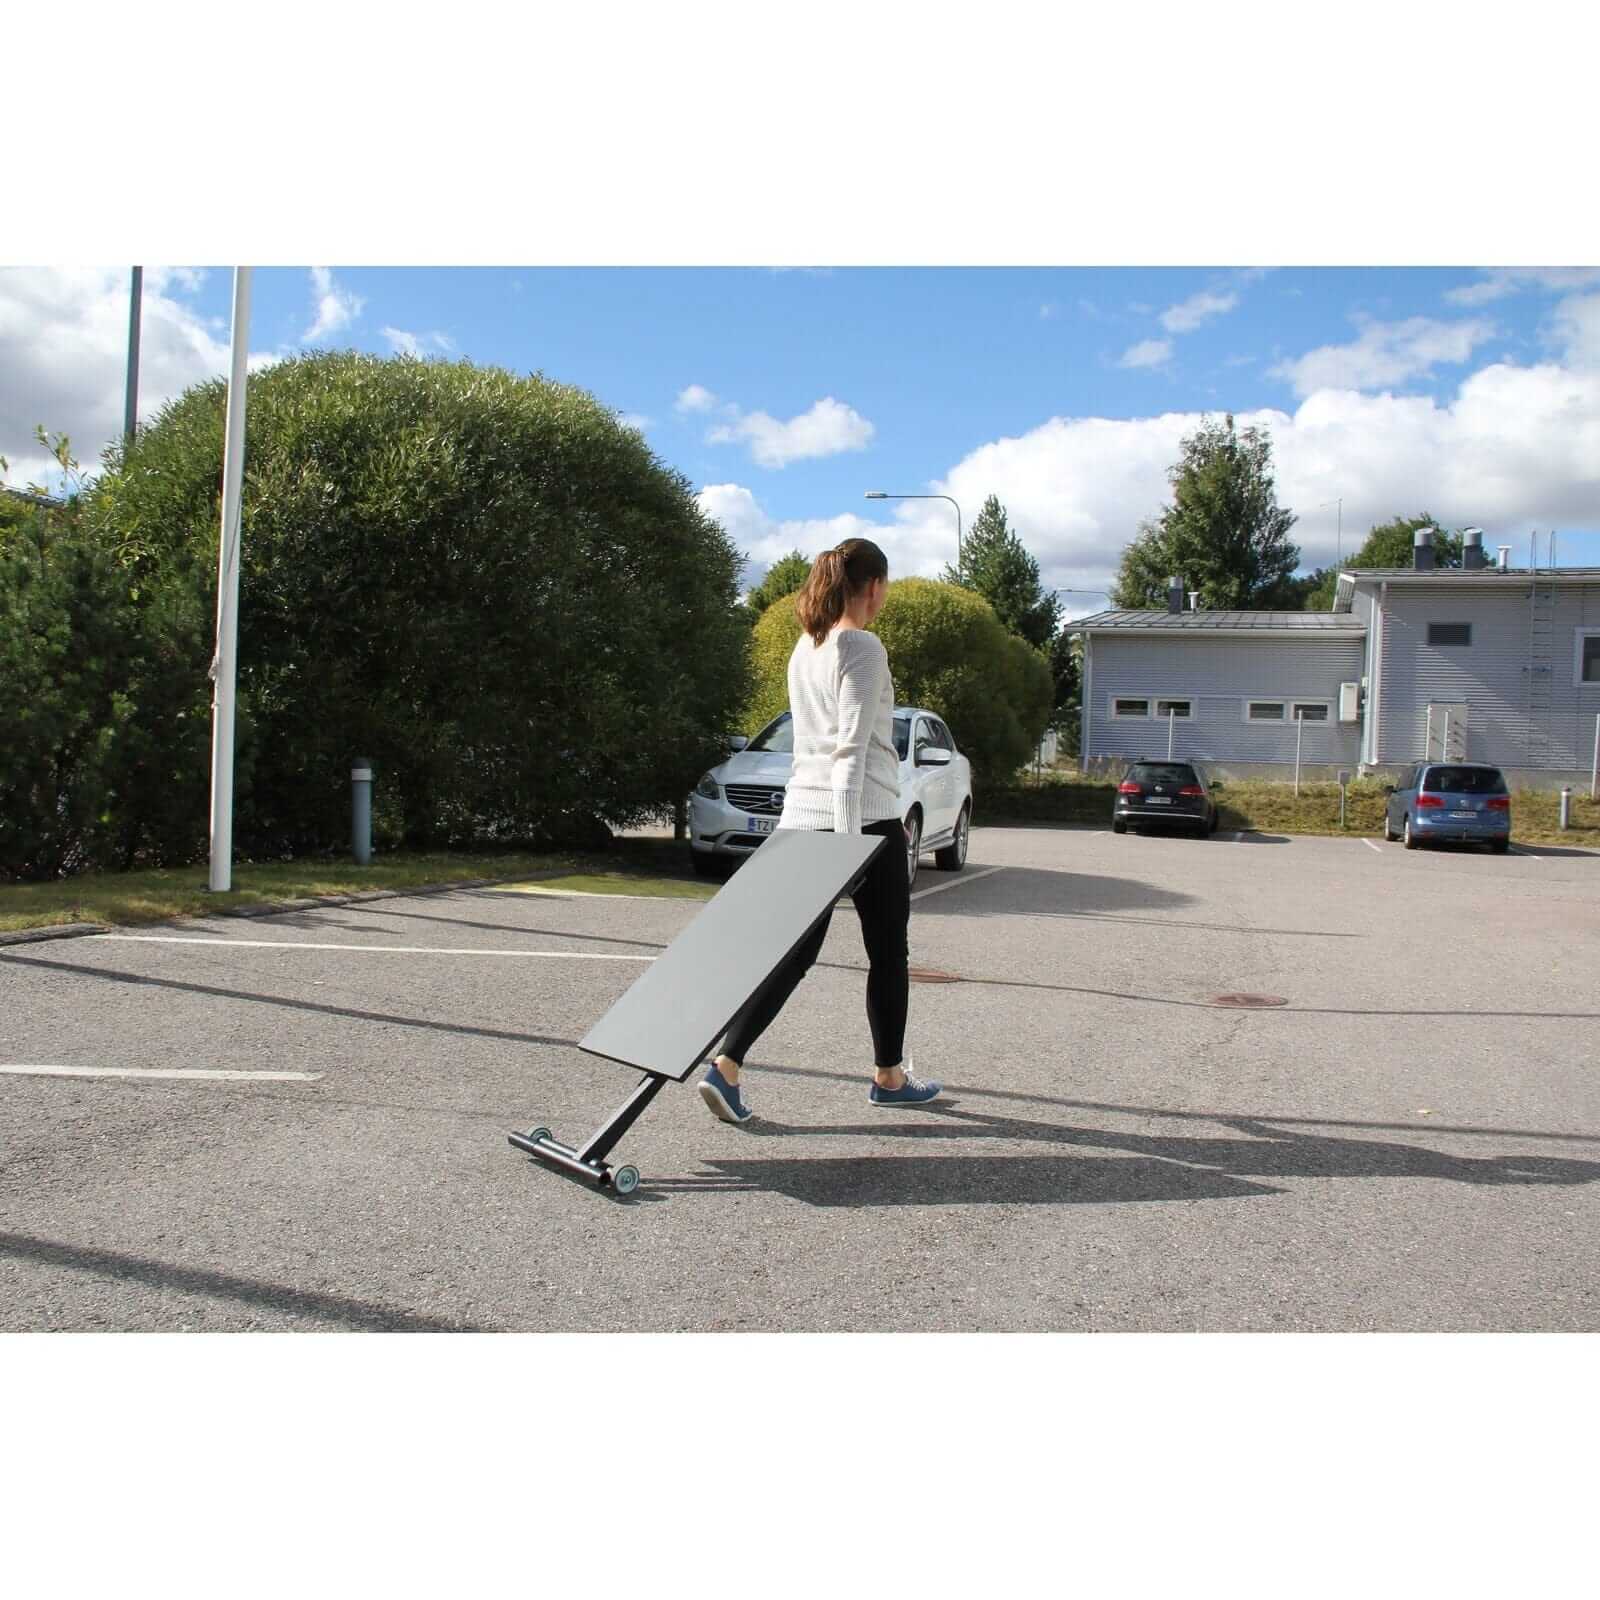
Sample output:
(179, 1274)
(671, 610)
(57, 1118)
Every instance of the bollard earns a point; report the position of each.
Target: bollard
(361, 810)
(1566, 807)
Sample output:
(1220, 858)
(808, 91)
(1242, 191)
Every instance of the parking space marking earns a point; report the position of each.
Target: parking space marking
(1371, 846)
(364, 949)
(162, 1072)
(956, 883)
(1517, 850)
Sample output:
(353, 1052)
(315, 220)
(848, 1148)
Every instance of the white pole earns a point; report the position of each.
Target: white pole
(1594, 770)
(1299, 733)
(222, 666)
(1444, 743)
(1171, 713)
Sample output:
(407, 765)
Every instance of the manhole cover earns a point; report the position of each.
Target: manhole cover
(932, 975)
(1249, 1002)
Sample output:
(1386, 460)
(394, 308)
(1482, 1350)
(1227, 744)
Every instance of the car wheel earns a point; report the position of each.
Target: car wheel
(1216, 820)
(706, 864)
(1500, 846)
(1411, 840)
(954, 855)
(913, 847)
(1118, 825)
(1388, 832)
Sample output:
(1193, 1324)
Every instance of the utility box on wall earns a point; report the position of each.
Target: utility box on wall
(1349, 702)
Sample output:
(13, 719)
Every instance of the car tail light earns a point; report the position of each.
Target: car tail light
(1129, 788)
(1424, 801)
(1192, 790)
(1498, 802)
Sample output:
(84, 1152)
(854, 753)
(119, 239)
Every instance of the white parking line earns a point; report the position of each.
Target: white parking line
(162, 1072)
(364, 949)
(1371, 846)
(1238, 835)
(1517, 850)
(956, 883)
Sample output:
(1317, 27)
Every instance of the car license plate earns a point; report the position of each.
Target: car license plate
(760, 824)
(1160, 800)
(1463, 816)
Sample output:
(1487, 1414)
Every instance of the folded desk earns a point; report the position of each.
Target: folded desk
(667, 1022)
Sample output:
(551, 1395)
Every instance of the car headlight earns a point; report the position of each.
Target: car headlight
(707, 787)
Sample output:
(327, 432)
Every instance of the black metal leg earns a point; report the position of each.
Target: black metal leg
(589, 1162)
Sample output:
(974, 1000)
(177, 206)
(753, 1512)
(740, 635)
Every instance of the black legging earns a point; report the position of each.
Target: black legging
(883, 902)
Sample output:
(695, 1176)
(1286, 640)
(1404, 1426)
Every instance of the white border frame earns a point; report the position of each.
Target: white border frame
(1289, 702)
(1192, 701)
(1578, 679)
(1152, 715)
(1113, 715)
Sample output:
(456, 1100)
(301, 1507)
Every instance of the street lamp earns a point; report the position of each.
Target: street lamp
(878, 494)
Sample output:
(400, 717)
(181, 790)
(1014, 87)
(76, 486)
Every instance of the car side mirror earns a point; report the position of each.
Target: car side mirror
(739, 741)
(933, 756)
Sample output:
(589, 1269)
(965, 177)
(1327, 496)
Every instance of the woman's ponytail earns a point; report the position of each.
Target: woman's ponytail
(835, 576)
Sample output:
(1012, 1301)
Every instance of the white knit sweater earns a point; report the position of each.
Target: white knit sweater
(846, 772)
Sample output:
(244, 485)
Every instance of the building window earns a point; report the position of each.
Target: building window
(1309, 710)
(1263, 710)
(1124, 709)
(1450, 633)
(1586, 658)
(1174, 708)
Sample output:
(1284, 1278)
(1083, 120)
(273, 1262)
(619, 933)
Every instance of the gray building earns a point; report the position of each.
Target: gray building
(1478, 663)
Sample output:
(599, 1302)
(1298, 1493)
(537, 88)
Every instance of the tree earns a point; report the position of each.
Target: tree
(783, 577)
(483, 582)
(1388, 544)
(1224, 534)
(947, 651)
(995, 564)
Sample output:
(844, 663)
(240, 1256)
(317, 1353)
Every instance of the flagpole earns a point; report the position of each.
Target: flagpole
(223, 664)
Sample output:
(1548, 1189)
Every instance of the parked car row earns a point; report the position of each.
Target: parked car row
(737, 804)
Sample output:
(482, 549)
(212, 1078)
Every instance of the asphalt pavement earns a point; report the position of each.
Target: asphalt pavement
(1410, 1140)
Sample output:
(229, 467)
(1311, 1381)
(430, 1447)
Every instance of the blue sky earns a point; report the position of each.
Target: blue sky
(783, 395)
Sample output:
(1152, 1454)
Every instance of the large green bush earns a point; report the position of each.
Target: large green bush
(947, 651)
(485, 583)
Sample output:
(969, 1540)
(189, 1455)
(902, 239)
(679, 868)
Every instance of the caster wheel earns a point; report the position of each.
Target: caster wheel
(625, 1180)
(536, 1134)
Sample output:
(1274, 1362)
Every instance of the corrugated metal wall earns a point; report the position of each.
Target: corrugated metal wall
(1491, 674)
(1219, 675)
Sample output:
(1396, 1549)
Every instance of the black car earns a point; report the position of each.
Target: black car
(1164, 791)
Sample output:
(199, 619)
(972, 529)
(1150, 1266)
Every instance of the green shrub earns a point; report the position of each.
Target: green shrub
(482, 582)
(947, 651)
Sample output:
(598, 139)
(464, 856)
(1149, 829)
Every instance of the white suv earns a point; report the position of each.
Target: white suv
(735, 806)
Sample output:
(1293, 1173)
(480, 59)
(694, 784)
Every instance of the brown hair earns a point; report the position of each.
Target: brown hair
(837, 576)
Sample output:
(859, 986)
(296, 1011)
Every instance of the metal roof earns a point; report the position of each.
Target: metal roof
(1428, 574)
(1222, 621)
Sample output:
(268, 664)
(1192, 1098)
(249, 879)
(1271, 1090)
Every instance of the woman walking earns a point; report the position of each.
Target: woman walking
(846, 779)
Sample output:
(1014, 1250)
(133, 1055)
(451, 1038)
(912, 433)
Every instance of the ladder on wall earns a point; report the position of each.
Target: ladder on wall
(1539, 674)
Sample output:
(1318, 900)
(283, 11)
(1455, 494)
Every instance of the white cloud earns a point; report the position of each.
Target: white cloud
(1147, 353)
(764, 540)
(1576, 325)
(827, 429)
(1498, 282)
(636, 420)
(416, 344)
(1049, 311)
(1198, 309)
(694, 399)
(64, 355)
(1385, 354)
(336, 307)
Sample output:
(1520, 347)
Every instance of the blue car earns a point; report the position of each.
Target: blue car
(1458, 800)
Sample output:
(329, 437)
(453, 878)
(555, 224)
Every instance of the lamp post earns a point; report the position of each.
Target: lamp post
(878, 494)
(1338, 536)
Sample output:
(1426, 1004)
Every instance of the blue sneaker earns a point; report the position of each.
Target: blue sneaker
(723, 1097)
(913, 1092)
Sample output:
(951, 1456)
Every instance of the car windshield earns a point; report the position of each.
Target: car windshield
(1163, 772)
(777, 736)
(1464, 780)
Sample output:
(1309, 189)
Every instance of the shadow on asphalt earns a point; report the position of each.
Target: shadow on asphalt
(112, 975)
(354, 1314)
(1039, 891)
(1156, 1167)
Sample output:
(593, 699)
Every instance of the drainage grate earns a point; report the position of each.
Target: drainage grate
(1249, 1002)
(932, 975)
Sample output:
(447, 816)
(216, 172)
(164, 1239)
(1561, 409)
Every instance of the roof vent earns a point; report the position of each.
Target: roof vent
(1503, 554)
(1174, 595)
(1472, 556)
(1422, 552)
